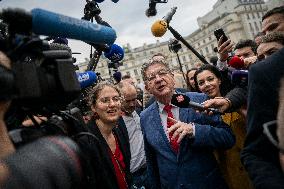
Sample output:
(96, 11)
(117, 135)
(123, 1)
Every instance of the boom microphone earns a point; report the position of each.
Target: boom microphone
(86, 79)
(151, 11)
(47, 23)
(159, 28)
(114, 53)
(183, 101)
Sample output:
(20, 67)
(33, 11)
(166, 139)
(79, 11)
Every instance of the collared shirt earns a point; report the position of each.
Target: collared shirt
(138, 158)
(222, 65)
(164, 115)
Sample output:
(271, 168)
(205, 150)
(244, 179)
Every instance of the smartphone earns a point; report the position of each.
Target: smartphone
(219, 33)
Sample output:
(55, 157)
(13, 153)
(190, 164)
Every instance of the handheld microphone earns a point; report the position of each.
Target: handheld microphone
(86, 79)
(159, 28)
(236, 62)
(183, 101)
(117, 76)
(239, 77)
(43, 22)
(114, 53)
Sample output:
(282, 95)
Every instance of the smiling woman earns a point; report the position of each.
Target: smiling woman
(208, 80)
(109, 154)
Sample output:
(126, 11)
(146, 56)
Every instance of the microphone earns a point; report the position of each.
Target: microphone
(43, 22)
(114, 53)
(151, 11)
(159, 28)
(183, 101)
(239, 77)
(86, 79)
(117, 76)
(236, 62)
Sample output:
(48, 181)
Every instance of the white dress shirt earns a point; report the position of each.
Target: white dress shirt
(138, 158)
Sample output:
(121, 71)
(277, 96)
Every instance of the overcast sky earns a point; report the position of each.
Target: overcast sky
(127, 17)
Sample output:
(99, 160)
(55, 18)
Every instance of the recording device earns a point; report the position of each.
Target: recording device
(236, 62)
(183, 101)
(151, 11)
(55, 162)
(43, 22)
(92, 10)
(219, 33)
(240, 78)
(174, 45)
(159, 28)
(45, 84)
(87, 79)
(114, 53)
(117, 76)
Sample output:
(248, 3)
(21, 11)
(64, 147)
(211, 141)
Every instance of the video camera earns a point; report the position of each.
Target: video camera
(44, 83)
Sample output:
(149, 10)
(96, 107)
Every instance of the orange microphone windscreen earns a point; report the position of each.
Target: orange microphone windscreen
(159, 28)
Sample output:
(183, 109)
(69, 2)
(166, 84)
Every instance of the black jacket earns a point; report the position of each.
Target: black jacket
(259, 156)
(101, 173)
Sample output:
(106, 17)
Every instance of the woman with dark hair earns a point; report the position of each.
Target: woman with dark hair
(208, 79)
(108, 150)
(190, 79)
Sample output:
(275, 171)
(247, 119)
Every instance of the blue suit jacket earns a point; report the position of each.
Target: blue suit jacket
(195, 165)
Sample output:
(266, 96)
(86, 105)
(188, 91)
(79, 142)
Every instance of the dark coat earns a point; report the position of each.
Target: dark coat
(259, 156)
(96, 153)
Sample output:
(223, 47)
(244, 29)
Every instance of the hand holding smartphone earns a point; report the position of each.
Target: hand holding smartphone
(219, 33)
(224, 46)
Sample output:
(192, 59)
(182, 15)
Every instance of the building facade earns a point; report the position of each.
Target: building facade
(240, 19)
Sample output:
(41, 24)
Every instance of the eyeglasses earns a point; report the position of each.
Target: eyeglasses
(106, 100)
(161, 73)
(269, 129)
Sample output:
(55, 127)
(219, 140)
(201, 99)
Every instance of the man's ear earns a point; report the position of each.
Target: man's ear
(147, 88)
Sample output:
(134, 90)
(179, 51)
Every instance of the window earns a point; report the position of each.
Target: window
(248, 16)
(184, 58)
(186, 67)
(256, 26)
(189, 57)
(210, 38)
(253, 15)
(204, 41)
(135, 72)
(251, 28)
(258, 15)
(212, 47)
(176, 61)
(207, 50)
